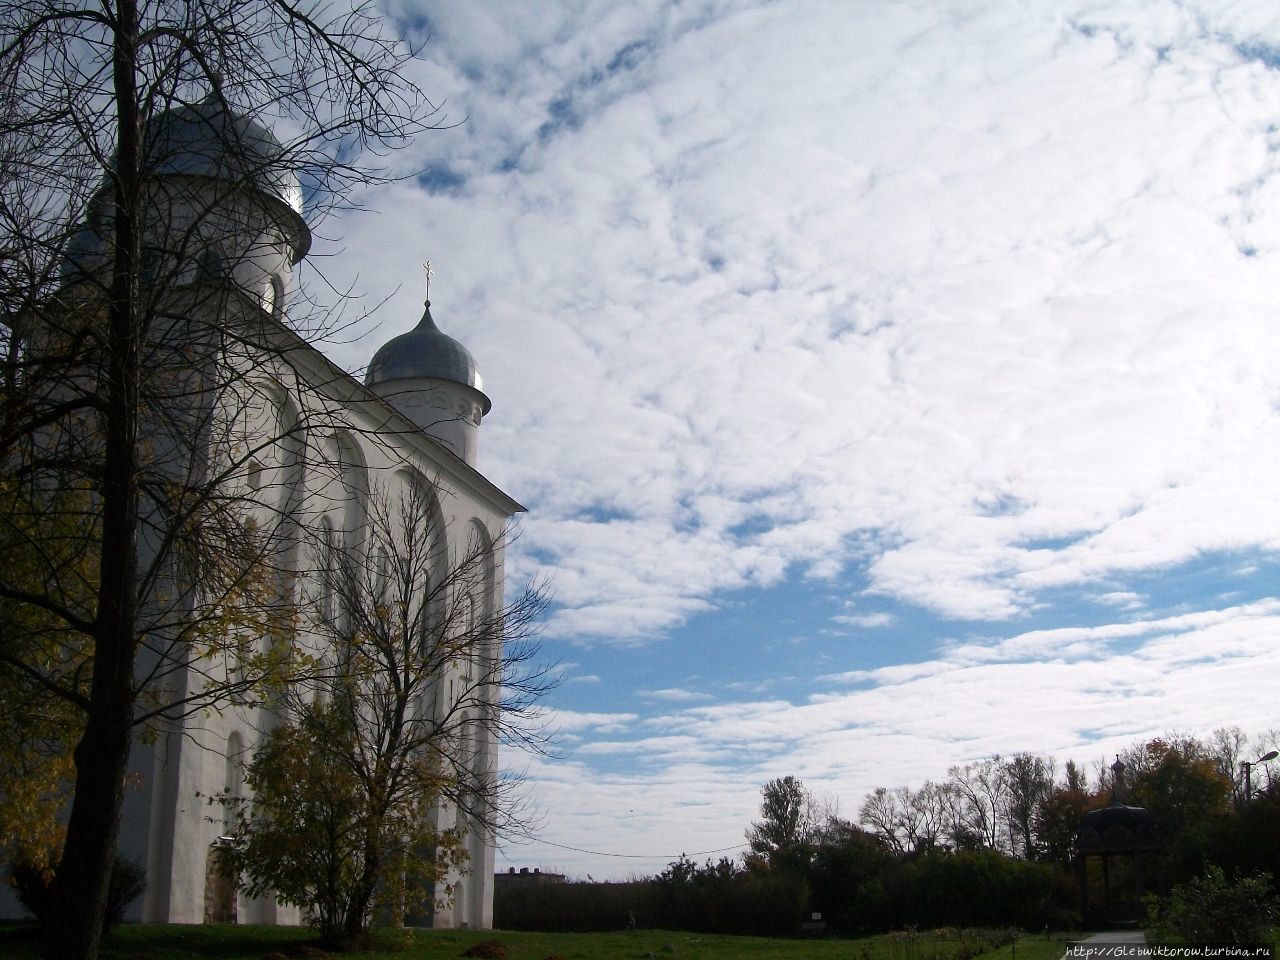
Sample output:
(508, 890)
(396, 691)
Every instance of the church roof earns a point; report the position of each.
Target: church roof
(209, 139)
(425, 352)
(206, 140)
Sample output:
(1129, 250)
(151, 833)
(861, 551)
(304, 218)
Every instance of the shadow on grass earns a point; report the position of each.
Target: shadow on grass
(21, 941)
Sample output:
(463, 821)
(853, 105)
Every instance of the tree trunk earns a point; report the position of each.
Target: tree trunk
(79, 899)
(359, 906)
(102, 756)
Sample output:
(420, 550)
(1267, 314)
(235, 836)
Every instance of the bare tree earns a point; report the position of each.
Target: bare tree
(1029, 781)
(909, 821)
(980, 794)
(1265, 742)
(883, 811)
(1230, 745)
(116, 240)
(931, 806)
(423, 672)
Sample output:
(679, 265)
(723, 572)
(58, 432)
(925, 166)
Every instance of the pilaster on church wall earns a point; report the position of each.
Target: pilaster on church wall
(182, 827)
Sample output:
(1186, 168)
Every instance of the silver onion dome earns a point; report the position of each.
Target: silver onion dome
(212, 141)
(201, 141)
(426, 353)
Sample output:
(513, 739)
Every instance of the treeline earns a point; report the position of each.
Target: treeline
(722, 897)
(991, 846)
(1195, 789)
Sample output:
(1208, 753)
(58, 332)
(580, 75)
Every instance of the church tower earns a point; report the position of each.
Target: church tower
(239, 408)
(221, 204)
(432, 379)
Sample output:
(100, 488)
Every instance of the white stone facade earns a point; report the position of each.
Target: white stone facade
(306, 446)
(366, 448)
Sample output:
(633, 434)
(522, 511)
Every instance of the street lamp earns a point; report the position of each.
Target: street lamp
(1248, 771)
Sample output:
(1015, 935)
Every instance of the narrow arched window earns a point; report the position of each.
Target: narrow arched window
(273, 296)
(327, 573)
(233, 779)
(384, 590)
(469, 639)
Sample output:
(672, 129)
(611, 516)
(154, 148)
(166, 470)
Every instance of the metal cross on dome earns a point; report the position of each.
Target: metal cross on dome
(426, 268)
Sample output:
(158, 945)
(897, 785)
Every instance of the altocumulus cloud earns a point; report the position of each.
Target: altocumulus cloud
(960, 309)
(969, 279)
(1101, 689)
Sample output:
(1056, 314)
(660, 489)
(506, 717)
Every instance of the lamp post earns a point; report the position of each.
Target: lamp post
(1248, 771)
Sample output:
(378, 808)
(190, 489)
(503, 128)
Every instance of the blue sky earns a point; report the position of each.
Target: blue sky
(890, 384)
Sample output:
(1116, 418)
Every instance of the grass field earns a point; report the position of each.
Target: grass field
(256, 943)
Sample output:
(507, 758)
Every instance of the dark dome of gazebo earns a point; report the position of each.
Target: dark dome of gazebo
(1117, 829)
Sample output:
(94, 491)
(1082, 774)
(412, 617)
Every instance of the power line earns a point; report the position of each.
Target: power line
(633, 856)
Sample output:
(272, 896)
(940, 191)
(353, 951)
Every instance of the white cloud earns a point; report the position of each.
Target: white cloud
(728, 327)
(675, 695)
(866, 620)
(962, 307)
(1124, 599)
(570, 721)
(910, 722)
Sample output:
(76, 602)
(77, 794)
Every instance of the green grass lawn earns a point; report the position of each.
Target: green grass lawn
(255, 943)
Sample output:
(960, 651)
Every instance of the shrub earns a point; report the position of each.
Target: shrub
(128, 882)
(715, 899)
(34, 888)
(966, 889)
(1211, 910)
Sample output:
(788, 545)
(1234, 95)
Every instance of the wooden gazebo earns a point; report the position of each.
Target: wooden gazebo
(1122, 838)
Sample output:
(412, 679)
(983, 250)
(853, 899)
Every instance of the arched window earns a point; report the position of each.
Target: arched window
(275, 475)
(327, 572)
(384, 589)
(233, 777)
(352, 491)
(470, 690)
(469, 639)
(273, 295)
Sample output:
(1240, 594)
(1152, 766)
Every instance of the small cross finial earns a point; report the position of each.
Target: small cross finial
(426, 269)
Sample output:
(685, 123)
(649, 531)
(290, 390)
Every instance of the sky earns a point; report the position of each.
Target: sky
(890, 384)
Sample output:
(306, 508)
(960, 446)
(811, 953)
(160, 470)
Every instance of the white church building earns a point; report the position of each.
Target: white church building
(309, 445)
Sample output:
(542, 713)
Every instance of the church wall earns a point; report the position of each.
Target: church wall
(447, 412)
(349, 457)
(309, 446)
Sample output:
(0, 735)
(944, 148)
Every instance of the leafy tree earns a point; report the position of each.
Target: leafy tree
(33, 885)
(1074, 778)
(725, 897)
(37, 725)
(969, 888)
(1247, 841)
(326, 843)
(784, 835)
(1057, 820)
(846, 861)
(1179, 781)
(423, 679)
(100, 396)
